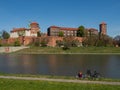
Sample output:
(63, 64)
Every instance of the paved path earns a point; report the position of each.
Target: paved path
(11, 49)
(61, 80)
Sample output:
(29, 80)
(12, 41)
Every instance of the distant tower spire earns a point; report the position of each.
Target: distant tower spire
(103, 28)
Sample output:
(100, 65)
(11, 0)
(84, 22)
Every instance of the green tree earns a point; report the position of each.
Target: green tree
(107, 40)
(75, 43)
(61, 34)
(117, 40)
(96, 41)
(66, 46)
(81, 31)
(5, 34)
(38, 34)
(0, 34)
(70, 42)
(17, 43)
(59, 43)
(91, 40)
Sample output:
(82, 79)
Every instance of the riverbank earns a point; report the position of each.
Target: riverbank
(73, 50)
(35, 83)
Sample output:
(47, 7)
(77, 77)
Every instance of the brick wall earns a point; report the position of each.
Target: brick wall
(29, 40)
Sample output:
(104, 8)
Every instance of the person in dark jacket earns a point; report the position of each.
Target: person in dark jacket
(80, 74)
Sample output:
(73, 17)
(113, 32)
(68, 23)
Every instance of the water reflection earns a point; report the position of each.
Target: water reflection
(68, 65)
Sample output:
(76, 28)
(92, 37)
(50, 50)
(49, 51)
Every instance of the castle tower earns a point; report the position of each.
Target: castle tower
(34, 27)
(103, 28)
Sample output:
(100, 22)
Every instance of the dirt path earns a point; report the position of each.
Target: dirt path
(61, 80)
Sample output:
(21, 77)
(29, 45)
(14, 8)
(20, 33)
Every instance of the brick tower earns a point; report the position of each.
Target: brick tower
(34, 27)
(103, 28)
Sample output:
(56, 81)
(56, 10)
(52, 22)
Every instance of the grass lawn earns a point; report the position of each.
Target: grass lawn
(72, 50)
(58, 77)
(9, 84)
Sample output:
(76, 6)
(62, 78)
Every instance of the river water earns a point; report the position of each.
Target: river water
(63, 65)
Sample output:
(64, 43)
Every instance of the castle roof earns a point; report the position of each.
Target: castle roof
(19, 29)
(33, 23)
(54, 27)
(103, 23)
(92, 29)
(64, 28)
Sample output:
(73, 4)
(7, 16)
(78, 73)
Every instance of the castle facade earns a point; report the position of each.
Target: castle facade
(55, 30)
(28, 35)
(30, 32)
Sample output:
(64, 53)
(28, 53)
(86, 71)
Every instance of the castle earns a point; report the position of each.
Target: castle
(54, 30)
(28, 35)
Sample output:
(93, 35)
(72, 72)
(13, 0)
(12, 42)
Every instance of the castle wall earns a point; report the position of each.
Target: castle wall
(53, 39)
(29, 40)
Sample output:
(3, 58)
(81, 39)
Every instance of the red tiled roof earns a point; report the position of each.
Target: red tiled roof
(19, 29)
(71, 29)
(64, 28)
(103, 23)
(33, 23)
(54, 27)
(92, 29)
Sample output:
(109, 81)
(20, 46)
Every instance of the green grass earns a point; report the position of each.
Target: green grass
(72, 50)
(38, 76)
(58, 77)
(9, 84)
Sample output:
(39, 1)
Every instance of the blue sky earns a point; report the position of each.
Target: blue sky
(65, 13)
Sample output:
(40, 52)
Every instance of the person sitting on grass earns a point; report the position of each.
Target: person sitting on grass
(80, 75)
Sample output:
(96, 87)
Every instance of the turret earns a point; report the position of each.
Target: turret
(103, 28)
(34, 27)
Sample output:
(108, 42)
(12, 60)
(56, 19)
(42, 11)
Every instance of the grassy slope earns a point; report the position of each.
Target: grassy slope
(75, 50)
(9, 84)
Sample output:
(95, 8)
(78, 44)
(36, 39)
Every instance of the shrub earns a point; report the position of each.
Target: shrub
(66, 46)
(59, 43)
(17, 43)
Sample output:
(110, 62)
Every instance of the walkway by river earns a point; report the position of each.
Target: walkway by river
(61, 80)
(11, 49)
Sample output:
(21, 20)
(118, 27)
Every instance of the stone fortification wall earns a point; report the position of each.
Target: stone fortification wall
(29, 40)
(53, 39)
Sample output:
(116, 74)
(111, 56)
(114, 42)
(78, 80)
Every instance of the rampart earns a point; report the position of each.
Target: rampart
(29, 40)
